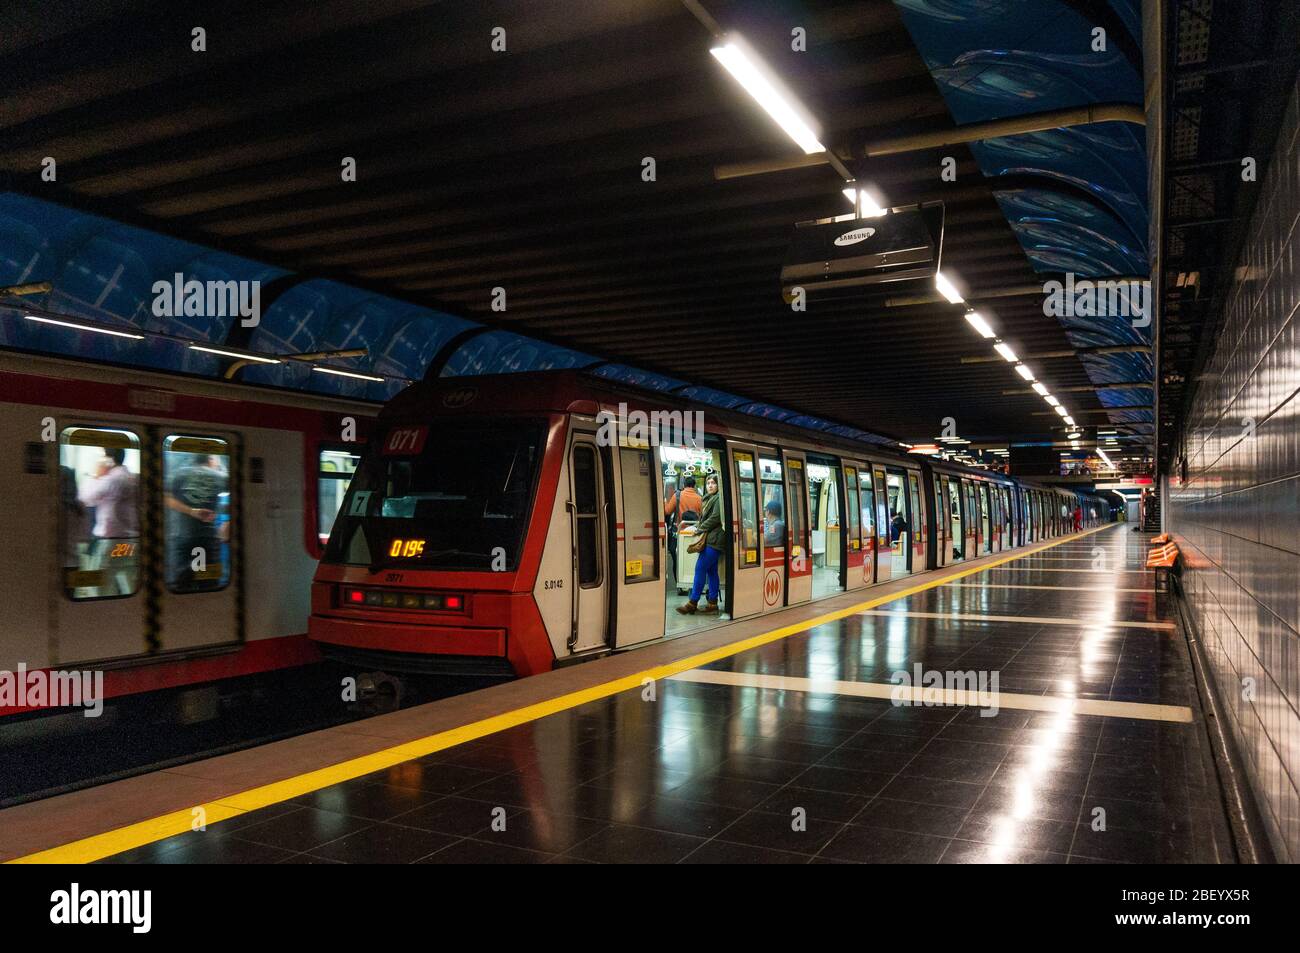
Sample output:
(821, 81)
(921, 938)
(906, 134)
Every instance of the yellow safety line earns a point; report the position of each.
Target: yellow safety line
(122, 839)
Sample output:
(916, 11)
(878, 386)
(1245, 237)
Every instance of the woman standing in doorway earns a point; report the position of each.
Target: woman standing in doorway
(713, 537)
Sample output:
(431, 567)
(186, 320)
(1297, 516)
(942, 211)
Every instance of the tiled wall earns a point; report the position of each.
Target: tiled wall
(1237, 514)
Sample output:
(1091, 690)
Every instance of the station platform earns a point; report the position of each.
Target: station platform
(780, 740)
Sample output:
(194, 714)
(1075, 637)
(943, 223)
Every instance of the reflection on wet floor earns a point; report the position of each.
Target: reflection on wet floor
(743, 773)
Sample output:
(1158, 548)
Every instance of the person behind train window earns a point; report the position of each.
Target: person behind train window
(897, 526)
(714, 532)
(112, 492)
(773, 524)
(193, 498)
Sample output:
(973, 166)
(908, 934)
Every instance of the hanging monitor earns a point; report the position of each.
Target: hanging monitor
(847, 252)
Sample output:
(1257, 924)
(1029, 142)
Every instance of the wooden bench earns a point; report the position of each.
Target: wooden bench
(1162, 559)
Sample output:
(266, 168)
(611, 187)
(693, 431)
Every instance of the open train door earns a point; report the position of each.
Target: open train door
(798, 567)
(641, 551)
(884, 552)
(773, 527)
(859, 538)
(746, 542)
(589, 526)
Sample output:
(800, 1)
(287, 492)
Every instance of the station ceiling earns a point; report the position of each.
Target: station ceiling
(522, 169)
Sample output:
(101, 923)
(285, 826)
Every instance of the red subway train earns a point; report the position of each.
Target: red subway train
(161, 530)
(508, 524)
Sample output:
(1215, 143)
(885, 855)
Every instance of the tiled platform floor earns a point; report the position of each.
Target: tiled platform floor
(739, 773)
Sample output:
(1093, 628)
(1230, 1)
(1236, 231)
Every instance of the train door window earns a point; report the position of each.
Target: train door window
(586, 510)
(747, 493)
(899, 525)
(956, 536)
(914, 485)
(196, 494)
(971, 523)
(774, 514)
(986, 519)
(853, 509)
(1008, 523)
(99, 496)
(868, 507)
(334, 469)
(640, 524)
(798, 542)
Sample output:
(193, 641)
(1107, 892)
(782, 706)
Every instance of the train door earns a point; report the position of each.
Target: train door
(884, 553)
(867, 524)
(639, 536)
(798, 567)
(970, 520)
(855, 576)
(919, 523)
(746, 550)
(1008, 519)
(941, 525)
(995, 518)
(956, 537)
(827, 525)
(101, 611)
(589, 524)
(199, 602)
(774, 529)
(986, 518)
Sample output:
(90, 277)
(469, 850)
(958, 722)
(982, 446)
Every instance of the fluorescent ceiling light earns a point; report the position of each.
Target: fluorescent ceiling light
(1051, 400)
(1069, 420)
(337, 373)
(750, 73)
(977, 321)
(1005, 350)
(1060, 410)
(235, 354)
(1072, 436)
(872, 206)
(946, 288)
(85, 327)
(1024, 371)
(1102, 453)
(1040, 388)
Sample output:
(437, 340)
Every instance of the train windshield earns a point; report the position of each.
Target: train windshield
(449, 496)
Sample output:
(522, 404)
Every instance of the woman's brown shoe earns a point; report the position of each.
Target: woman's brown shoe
(709, 607)
(687, 609)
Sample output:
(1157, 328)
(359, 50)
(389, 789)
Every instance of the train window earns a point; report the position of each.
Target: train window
(986, 536)
(868, 505)
(773, 504)
(913, 482)
(957, 537)
(586, 507)
(196, 494)
(99, 490)
(640, 522)
(798, 542)
(851, 483)
(466, 494)
(334, 469)
(748, 495)
(898, 523)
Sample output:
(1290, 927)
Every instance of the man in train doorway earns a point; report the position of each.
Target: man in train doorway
(193, 498)
(714, 533)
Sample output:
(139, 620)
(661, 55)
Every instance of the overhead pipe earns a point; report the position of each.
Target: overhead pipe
(971, 132)
(1072, 352)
